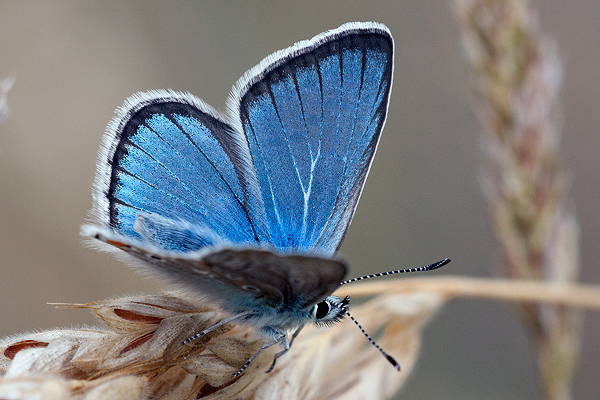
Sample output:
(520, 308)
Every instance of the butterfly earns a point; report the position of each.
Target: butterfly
(248, 208)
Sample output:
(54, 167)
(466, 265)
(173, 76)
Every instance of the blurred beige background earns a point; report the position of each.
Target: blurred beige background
(75, 62)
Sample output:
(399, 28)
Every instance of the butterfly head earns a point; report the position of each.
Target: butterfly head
(330, 311)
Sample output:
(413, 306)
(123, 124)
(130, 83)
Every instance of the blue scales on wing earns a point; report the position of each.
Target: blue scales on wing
(313, 121)
(172, 179)
(285, 170)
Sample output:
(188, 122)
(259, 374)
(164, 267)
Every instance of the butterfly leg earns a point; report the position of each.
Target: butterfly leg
(285, 348)
(278, 337)
(296, 333)
(215, 326)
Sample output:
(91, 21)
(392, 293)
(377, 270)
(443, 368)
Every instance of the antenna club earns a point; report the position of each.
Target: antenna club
(393, 362)
(383, 352)
(438, 264)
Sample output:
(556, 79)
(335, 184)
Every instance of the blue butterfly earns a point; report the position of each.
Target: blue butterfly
(248, 208)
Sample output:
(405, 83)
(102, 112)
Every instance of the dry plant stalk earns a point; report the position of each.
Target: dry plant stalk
(450, 287)
(5, 86)
(141, 355)
(518, 77)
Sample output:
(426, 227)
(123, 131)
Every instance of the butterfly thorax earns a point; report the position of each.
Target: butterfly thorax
(325, 313)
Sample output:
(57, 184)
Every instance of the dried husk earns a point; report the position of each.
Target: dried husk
(140, 355)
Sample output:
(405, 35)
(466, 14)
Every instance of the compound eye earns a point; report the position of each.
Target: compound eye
(321, 310)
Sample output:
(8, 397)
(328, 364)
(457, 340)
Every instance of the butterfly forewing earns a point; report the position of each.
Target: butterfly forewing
(313, 120)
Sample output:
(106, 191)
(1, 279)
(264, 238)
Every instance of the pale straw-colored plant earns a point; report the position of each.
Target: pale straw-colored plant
(5, 86)
(140, 354)
(518, 77)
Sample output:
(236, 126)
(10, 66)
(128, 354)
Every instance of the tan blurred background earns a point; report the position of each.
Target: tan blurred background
(75, 62)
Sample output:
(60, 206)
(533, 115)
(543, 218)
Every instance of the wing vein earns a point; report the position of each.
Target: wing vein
(213, 166)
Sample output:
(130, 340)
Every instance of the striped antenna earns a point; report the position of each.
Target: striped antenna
(400, 271)
(386, 355)
(342, 305)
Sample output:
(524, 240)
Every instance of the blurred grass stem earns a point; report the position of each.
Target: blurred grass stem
(518, 76)
(451, 287)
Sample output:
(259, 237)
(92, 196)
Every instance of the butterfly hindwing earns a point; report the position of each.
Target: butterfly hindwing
(240, 278)
(168, 154)
(291, 281)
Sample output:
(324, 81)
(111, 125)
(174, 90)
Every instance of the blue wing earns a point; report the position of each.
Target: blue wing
(312, 115)
(167, 174)
(285, 169)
